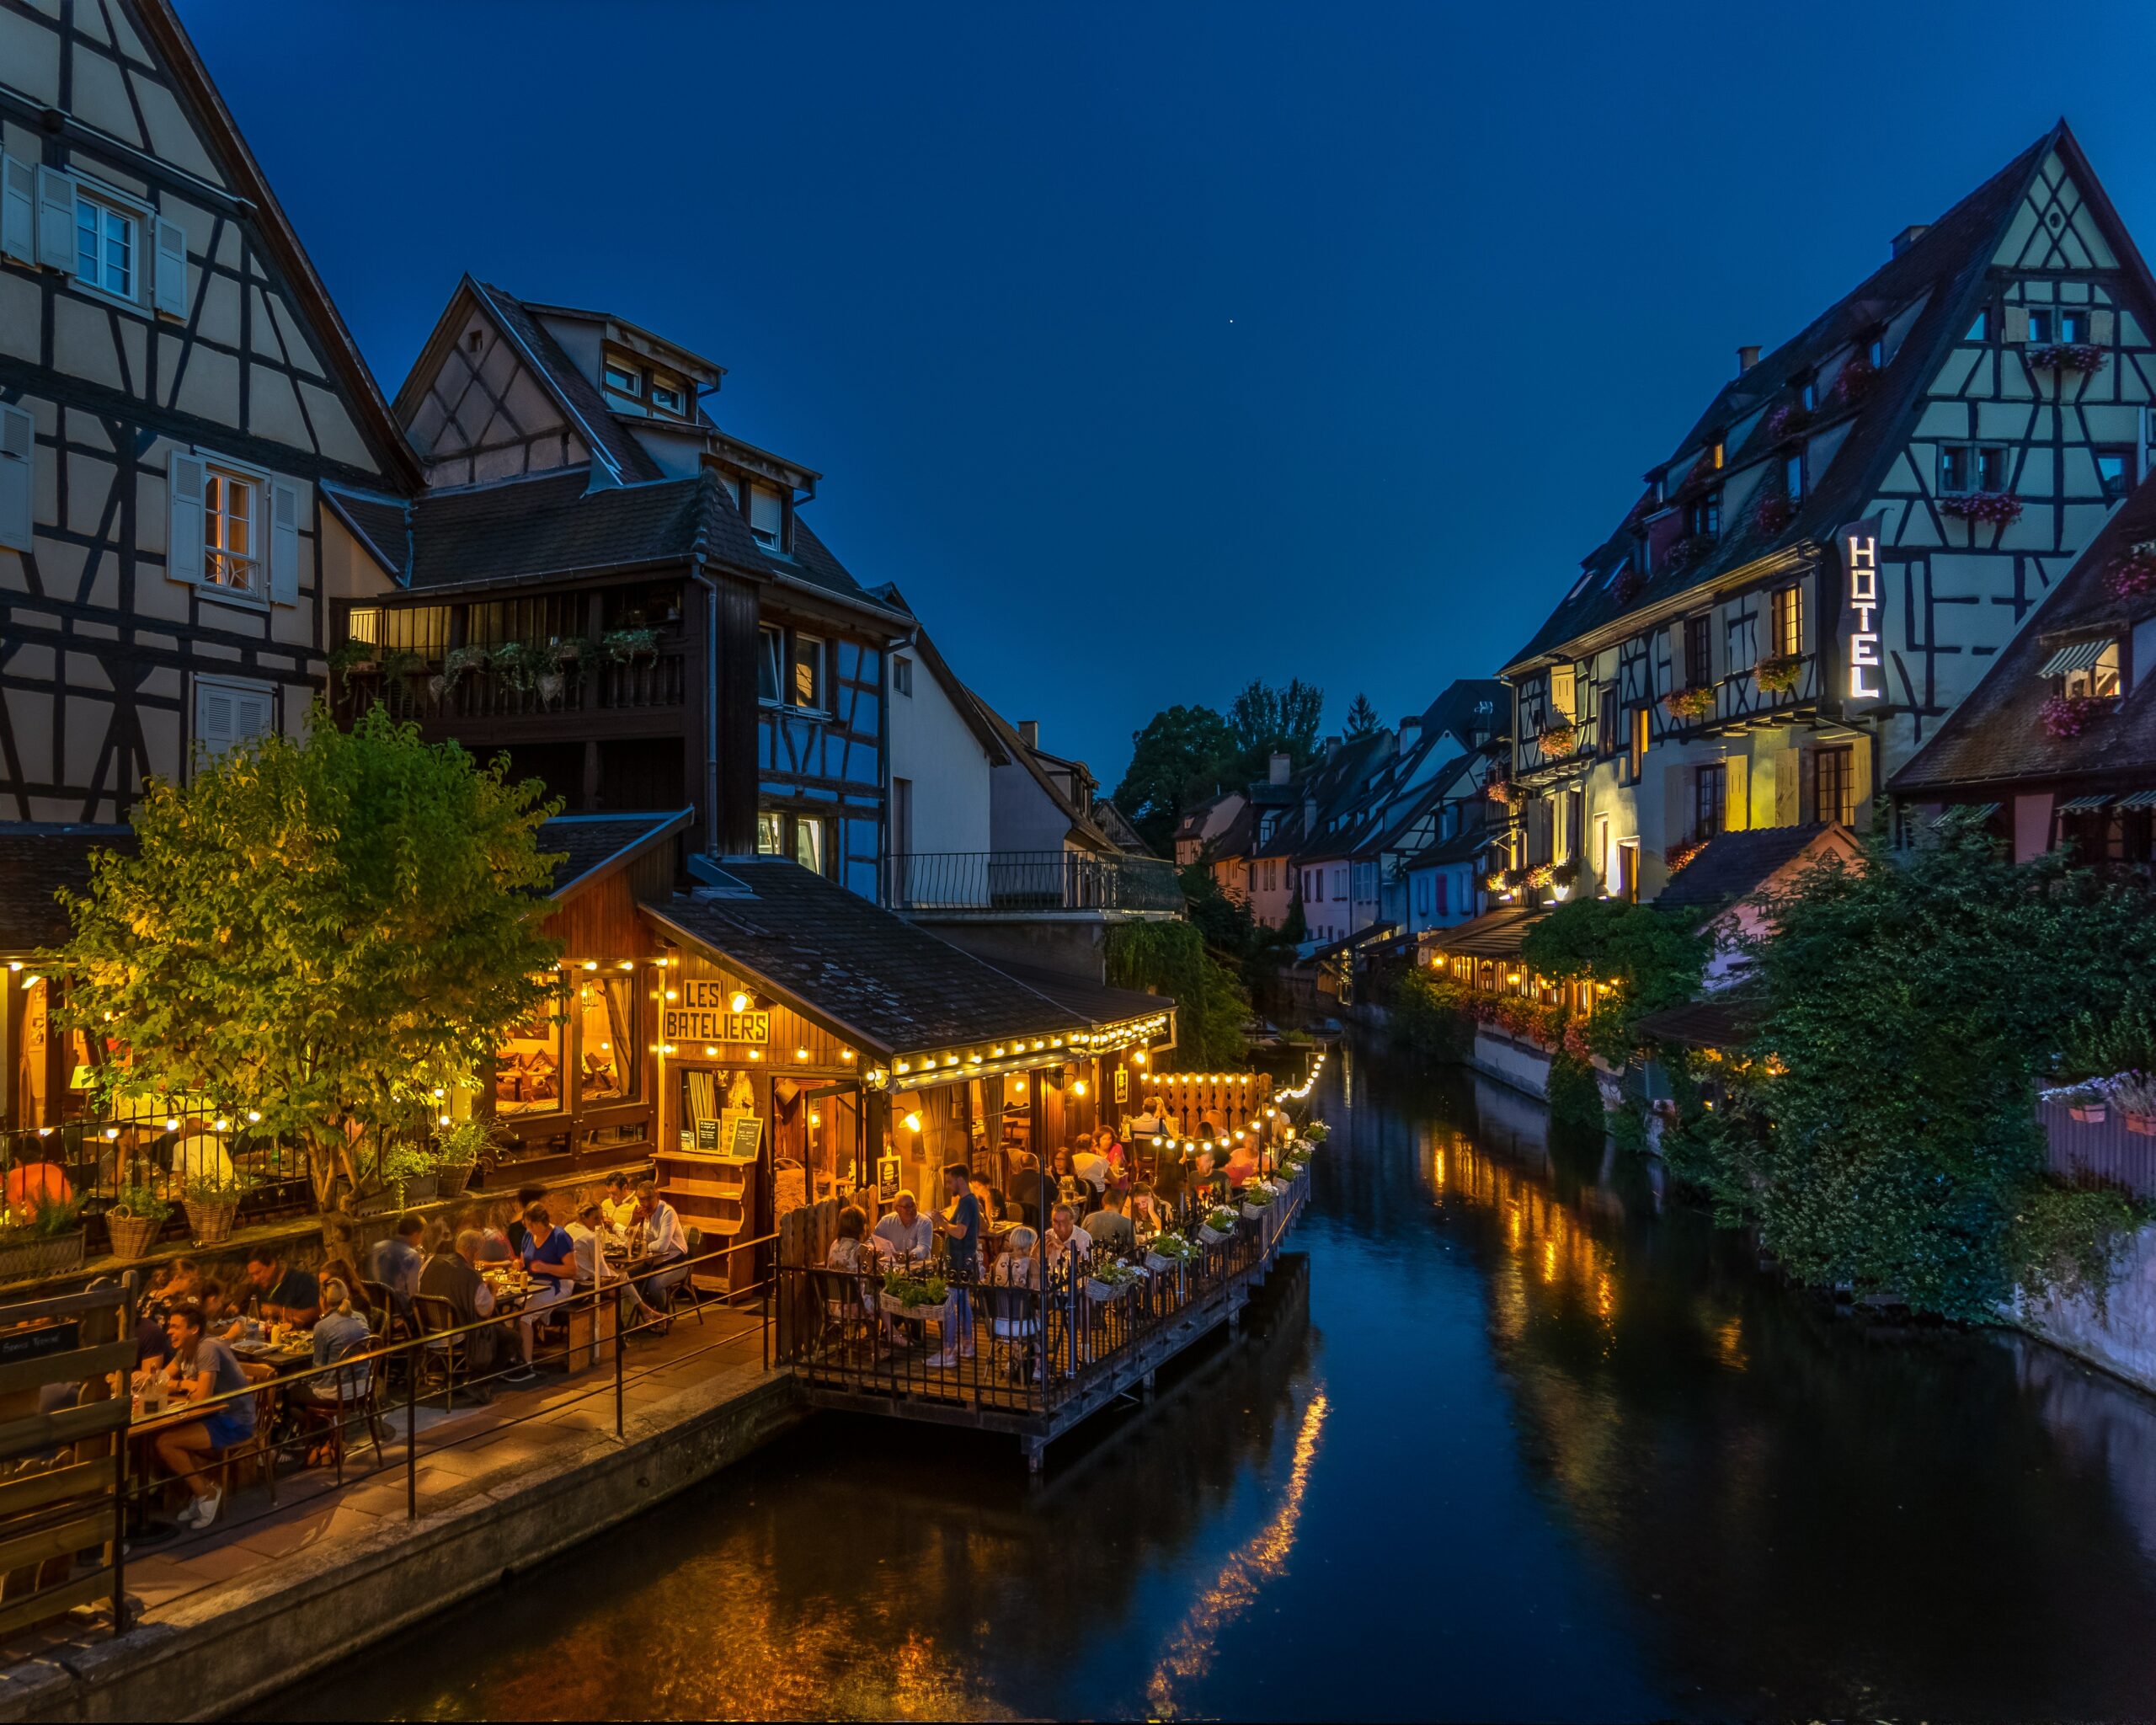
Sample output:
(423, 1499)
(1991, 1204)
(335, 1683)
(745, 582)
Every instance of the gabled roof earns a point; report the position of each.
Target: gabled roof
(961, 698)
(1335, 786)
(1083, 827)
(1735, 865)
(1994, 734)
(1463, 846)
(37, 859)
(384, 435)
(858, 969)
(593, 847)
(383, 525)
(550, 525)
(1945, 270)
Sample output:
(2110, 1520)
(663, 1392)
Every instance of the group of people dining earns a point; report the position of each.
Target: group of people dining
(628, 1238)
(1098, 1195)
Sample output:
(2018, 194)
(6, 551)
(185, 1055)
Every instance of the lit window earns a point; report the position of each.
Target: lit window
(808, 686)
(902, 676)
(605, 1026)
(2099, 682)
(528, 1064)
(1717, 451)
(624, 380)
(770, 663)
(1789, 621)
(105, 246)
(808, 842)
(771, 833)
(232, 554)
(1641, 735)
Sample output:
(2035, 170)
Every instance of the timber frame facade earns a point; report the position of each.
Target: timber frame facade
(1843, 542)
(175, 389)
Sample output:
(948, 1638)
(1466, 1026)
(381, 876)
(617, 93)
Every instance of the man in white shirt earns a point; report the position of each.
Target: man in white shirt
(658, 1241)
(1064, 1237)
(905, 1232)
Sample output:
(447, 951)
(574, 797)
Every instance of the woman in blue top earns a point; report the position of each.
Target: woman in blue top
(202, 1366)
(550, 1260)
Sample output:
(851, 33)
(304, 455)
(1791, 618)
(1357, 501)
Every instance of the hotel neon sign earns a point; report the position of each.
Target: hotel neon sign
(1862, 563)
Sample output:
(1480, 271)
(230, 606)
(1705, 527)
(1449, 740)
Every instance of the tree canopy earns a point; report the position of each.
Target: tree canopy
(325, 932)
(1883, 1135)
(1266, 721)
(1653, 958)
(1362, 717)
(1177, 761)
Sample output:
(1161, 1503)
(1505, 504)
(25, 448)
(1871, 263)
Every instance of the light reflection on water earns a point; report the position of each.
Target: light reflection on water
(1524, 1440)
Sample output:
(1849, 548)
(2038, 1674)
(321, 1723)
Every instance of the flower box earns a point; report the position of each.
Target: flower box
(2144, 1125)
(2133, 576)
(2086, 1114)
(1787, 420)
(2001, 508)
(40, 1255)
(1560, 740)
(1687, 550)
(2064, 356)
(1161, 1266)
(1107, 1293)
(450, 1179)
(1627, 588)
(1212, 1236)
(1779, 674)
(2063, 715)
(1688, 706)
(1772, 513)
(930, 1310)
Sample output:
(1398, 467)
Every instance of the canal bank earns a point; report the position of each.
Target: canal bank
(1529, 1439)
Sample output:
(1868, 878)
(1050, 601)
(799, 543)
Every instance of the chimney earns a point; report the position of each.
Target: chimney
(1029, 733)
(1909, 236)
(1747, 358)
(1277, 769)
(1411, 731)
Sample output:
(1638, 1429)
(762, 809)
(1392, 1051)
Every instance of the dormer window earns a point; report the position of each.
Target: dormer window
(1980, 325)
(1793, 476)
(1807, 394)
(624, 380)
(1717, 452)
(667, 396)
(767, 518)
(1654, 488)
(1703, 517)
(1875, 349)
(2090, 669)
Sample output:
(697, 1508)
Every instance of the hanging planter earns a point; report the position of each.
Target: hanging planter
(1687, 551)
(1498, 790)
(2065, 356)
(1854, 382)
(1560, 740)
(2001, 508)
(2063, 715)
(1787, 420)
(1683, 852)
(1688, 706)
(2133, 576)
(1627, 588)
(1779, 673)
(1540, 875)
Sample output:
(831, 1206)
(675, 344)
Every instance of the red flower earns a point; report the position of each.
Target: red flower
(2133, 575)
(2000, 508)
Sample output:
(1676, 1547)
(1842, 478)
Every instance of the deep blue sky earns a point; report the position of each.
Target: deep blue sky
(1150, 348)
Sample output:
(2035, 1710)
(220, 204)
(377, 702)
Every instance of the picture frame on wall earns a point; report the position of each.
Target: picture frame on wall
(887, 1178)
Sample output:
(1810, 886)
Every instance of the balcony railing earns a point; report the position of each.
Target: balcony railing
(1032, 883)
(654, 681)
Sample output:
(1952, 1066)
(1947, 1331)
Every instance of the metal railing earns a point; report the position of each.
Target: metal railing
(100, 1157)
(1021, 883)
(1035, 1346)
(657, 679)
(368, 1393)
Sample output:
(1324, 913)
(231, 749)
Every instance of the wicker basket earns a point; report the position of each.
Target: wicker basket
(53, 1255)
(451, 1178)
(1212, 1236)
(1107, 1293)
(919, 1314)
(132, 1236)
(1161, 1266)
(210, 1223)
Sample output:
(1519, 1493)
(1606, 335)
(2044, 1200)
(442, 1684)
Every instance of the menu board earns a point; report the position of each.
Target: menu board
(748, 1134)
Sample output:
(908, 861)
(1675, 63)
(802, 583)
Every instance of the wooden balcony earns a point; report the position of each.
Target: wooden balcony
(638, 697)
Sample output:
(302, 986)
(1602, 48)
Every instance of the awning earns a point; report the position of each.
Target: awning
(1495, 934)
(1971, 814)
(2084, 806)
(2138, 799)
(2076, 655)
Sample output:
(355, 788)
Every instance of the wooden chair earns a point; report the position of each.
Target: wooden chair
(446, 1355)
(1014, 1327)
(687, 1285)
(849, 1317)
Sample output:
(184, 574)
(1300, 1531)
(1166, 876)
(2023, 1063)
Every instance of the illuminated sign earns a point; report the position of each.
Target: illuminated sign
(1862, 564)
(704, 1015)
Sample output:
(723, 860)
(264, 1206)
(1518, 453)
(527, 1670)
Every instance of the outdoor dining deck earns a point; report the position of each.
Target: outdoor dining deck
(1043, 1359)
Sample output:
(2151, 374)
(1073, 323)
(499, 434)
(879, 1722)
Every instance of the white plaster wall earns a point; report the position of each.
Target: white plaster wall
(2120, 1337)
(953, 782)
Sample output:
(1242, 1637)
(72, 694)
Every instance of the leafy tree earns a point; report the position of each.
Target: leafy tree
(1881, 1133)
(1175, 763)
(1362, 717)
(1654, 959)
(1211, 1008)
(1266, 721)
(325, 932)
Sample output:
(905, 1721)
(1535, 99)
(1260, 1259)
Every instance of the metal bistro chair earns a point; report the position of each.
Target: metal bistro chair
(1014, 1329)
(850, 1317)
(686, 1287)
(332, 1418)
(446, 1355)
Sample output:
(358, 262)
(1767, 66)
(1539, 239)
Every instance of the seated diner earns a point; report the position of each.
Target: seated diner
(281, 1294)
(202, 1367)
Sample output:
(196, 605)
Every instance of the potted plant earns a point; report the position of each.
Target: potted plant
(1772, 513)
(2085, 1104)
(1219, 1227)
(1258, 1197)
(2001, 508)
(458, 1150)
(1689, 706)
(1169, 1252)
(1854, 382)
(2135, 1094)
(1109, 1279)
(630, 646)
(1689, 549)
(1560, 740)
(517, 663)
(2065, 356)
(2133, 576)
(1564, 875)
(1778, 674)
(1316, 1132)
(398, 664)
(352, 658)
(1787, 420)
(136, 1218)
(407, 1174)
(908, 1295)
(212, 1201)
(2063, 715)
(1538, 875)
(42, 1236)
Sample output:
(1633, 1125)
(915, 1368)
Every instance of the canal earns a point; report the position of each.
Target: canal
(1521, 1438)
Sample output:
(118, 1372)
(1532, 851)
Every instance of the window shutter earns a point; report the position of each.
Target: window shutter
(19, 209)
(55, 220)
(184, 478)
(2101, 321)
(2017, 323)
(250, 714)
(213, 719)
(284, 543)
(1788, 805)
(171, 286)
(1737, 805)
(17, 476)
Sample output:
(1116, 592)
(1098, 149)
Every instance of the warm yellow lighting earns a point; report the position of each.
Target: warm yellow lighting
(112, 1131)
(913, 1123)
(1138, 1058)
(255, 1114)
(591, 963)
(815, 1119)
(755, 1054)
(628, 964)
(32, 981)
(669, 1049)
(172, 1125)
(846, 1053)
(444, 1119)
(801, 1054)
(1078, 1088)
(738, 1000)
(709, 1051)
(901, 1066)
(673, 994)
(14, 964)
(223, 1126)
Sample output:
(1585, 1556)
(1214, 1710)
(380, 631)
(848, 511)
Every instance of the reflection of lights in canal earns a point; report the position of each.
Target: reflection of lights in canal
(1569, 1257)
(1263, 1557)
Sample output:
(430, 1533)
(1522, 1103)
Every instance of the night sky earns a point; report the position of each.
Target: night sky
(1151, 349)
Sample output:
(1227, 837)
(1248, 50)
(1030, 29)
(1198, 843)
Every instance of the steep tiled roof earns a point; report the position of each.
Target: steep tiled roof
(382, 525)
(1461, 847)
(1944, 268)
(1734, 865)
(1993, 735)
(1096, 1002)
(529, 530)
(592, 846)
(854, 965)
(36, 860)
(578, 393)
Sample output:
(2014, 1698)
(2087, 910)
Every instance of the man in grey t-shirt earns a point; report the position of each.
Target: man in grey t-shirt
(1109, 1226)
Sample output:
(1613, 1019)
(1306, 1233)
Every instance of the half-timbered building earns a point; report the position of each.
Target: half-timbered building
(176, 389)
(602, 583)
(1844, 541)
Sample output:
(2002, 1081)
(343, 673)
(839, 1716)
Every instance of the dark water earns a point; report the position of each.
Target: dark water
(1520, 1441)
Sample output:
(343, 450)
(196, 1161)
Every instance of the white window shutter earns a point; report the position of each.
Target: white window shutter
(284, 543)
(171, 282)
(213, 718)
(250, 714)
(17, 477)
(18, 208)
(55, 220)
(185, 480)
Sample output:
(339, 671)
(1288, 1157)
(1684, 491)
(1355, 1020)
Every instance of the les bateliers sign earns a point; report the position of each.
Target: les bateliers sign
(703, 1014)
